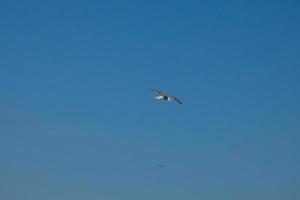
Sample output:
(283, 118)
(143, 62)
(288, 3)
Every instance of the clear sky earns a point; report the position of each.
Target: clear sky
(76, 120)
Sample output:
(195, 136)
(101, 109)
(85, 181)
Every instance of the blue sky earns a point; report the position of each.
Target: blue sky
(78, 123)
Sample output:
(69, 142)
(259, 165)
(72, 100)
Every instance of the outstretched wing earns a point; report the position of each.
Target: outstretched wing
(175, 99)
(158, 91)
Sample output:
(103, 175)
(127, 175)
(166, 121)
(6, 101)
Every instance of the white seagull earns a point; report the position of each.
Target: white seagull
(163, 96)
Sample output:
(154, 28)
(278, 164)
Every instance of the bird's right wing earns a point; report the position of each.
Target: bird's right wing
(177, 100)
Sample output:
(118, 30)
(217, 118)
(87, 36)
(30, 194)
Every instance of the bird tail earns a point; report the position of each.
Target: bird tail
(159, 97)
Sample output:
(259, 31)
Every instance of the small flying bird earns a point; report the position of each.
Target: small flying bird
(161, 166)
(163, 96)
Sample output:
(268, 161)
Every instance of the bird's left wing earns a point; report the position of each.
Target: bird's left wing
(158, 91)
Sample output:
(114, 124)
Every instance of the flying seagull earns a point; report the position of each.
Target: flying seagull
(161, 166)
(163, 96)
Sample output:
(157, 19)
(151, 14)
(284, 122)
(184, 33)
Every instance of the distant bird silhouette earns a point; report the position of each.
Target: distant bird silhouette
(161, 166)
(163, 96)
